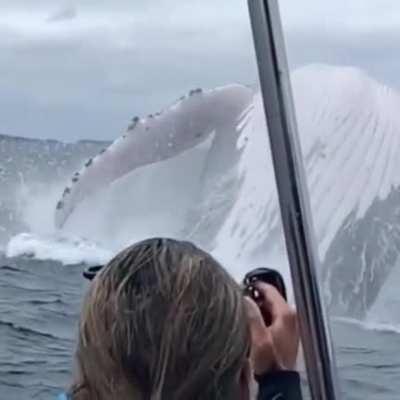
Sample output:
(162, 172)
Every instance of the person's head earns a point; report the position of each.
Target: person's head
(163, 320)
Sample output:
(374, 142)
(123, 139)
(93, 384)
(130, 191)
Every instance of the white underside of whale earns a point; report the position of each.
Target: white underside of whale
(349, 128)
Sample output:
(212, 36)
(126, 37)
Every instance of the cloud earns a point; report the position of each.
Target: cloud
(64, 14)
(374, 52)
(77, 82)
(87, 78)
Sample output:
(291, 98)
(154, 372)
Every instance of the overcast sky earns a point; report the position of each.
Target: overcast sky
(82, 69)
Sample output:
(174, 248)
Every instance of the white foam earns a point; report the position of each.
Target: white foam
(67, 250)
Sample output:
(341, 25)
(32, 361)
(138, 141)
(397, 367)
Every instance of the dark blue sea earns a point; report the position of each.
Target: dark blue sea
(39, 308)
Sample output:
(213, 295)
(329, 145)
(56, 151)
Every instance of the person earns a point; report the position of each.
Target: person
(164, 320)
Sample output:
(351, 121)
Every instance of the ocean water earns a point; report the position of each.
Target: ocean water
(221, 195)
(39, 309)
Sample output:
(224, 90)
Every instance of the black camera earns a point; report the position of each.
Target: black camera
(90, 273)
(266, 275)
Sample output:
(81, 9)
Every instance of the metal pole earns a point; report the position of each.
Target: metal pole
(293, 196)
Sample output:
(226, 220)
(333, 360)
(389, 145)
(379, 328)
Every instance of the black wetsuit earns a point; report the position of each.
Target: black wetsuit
(283, 385)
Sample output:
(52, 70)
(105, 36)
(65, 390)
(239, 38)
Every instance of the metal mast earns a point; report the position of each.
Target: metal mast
(293, 196)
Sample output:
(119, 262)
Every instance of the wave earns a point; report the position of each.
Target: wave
(370, 325)
(64, 249)
(27, 331)
(8, 268)
(36, 302)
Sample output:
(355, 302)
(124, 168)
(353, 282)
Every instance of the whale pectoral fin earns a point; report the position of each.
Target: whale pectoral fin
(158, 137)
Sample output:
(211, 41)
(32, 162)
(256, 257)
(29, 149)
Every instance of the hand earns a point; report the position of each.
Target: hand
(274, 347)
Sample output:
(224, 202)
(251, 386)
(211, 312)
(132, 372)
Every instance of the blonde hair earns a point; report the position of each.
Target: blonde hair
(163, 320)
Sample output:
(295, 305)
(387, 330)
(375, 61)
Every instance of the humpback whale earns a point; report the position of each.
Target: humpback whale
(149, 140)
(349, 126)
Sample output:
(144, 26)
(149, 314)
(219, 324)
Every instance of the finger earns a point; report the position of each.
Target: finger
(272, 302)
(257, 325)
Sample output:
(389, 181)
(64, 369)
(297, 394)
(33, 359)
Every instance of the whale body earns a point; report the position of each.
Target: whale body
(349, 127)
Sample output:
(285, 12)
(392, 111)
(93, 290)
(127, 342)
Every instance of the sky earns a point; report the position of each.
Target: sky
(82, 69)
